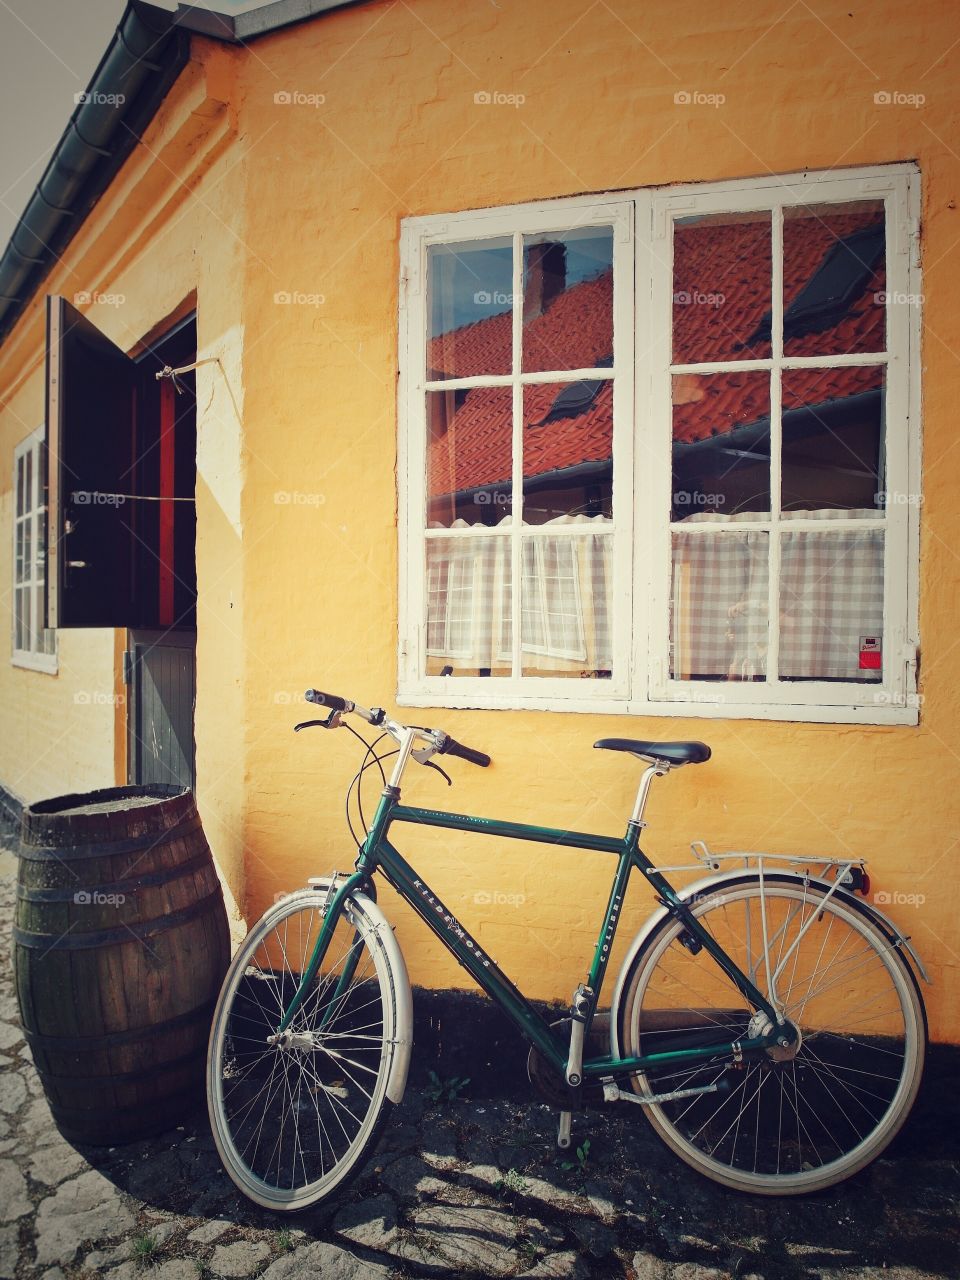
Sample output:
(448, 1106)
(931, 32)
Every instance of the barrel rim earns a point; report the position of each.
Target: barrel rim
(51, 822)
(58, 805)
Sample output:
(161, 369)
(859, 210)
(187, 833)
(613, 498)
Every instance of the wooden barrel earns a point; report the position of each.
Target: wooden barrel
(121, 943)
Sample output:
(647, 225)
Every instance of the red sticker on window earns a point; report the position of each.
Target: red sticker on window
(871, 655)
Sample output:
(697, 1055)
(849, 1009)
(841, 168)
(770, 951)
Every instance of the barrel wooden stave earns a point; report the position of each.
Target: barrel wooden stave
(118, 1029)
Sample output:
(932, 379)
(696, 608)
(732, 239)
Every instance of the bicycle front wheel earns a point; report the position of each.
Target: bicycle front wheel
(791, 1120)
(294, 1119)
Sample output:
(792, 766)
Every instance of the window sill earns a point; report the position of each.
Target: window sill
(45, 663)
(788, 713)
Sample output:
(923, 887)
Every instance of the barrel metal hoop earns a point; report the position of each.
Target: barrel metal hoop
(108, 849)
(108, 937)
(155, 1070)
(72, 1044)
(168, 875)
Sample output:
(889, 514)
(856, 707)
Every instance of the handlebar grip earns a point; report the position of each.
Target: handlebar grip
(326, 700)
(454, 748)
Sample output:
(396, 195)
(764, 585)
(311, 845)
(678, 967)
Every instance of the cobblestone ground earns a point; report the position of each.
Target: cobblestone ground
(467, 1188)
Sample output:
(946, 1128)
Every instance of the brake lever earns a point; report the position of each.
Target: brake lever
(332, 722)
(443, 774)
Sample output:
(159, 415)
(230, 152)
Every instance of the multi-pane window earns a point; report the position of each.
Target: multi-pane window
(33, 644)
(675, 438)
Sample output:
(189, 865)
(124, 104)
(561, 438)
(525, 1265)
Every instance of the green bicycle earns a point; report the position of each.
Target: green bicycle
(767, 1017)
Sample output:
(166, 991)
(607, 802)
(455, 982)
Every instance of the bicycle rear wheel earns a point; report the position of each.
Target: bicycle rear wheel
(791, 1121)
(293, 1121)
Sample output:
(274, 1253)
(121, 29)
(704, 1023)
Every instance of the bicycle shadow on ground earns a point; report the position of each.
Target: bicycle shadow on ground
(476, 1187)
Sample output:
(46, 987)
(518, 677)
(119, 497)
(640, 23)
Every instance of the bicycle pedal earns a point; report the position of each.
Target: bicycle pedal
(563, 1132)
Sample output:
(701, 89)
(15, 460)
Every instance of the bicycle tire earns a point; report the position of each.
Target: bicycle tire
(845, 1092)
(336, 1085)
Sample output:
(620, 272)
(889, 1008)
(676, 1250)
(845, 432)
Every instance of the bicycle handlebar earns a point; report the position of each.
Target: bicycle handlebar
(452, 747)
(437, 740)
(328, 700)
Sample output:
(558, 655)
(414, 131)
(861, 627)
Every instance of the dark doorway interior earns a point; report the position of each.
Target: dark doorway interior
(161, 660)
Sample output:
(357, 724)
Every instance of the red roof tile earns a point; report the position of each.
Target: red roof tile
(575, 331)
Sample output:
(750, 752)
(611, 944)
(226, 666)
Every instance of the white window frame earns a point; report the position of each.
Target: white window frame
(641, 559)
(32, 659)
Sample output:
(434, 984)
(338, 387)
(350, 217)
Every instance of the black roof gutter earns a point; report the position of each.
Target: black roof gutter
(148, 51)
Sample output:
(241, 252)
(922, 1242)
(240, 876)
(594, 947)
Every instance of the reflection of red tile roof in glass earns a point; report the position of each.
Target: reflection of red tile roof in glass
(731, 259)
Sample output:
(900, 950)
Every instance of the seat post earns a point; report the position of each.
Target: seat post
(654, 769)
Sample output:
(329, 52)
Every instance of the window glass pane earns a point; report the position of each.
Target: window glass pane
(40, 538)
(469, 456)
(567, 450)
(565, 606)
(721, 443)
(29, 622)
(719, 606)
(470, 308)
(831, 605)
(568, 300)
(834, 279)
(833, 440)
(19, 570)
(722, 287)
(28, 480)
(21, 499)
(27, 527)
(468, 595)
(20, 624)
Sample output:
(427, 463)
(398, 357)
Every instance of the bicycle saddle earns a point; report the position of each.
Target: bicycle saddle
(674, 753)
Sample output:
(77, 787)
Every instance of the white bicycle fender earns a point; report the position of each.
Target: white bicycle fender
(403, 1032)
(705, 884)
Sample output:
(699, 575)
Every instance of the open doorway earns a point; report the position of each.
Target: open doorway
(120, 550)
(160, 664)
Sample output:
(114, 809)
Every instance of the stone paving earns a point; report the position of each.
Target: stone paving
(468, 1187)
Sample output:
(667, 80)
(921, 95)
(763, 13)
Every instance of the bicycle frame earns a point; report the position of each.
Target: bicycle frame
(377, 853)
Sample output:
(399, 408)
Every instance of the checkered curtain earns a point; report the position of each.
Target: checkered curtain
(576, 617)
(831, 599)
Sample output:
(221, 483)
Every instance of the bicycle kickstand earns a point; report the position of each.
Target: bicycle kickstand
(563, 1133)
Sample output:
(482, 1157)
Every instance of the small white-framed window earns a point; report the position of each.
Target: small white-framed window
(34, 645)
(709, 398)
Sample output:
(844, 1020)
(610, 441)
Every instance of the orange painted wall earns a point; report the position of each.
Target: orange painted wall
(307, 198)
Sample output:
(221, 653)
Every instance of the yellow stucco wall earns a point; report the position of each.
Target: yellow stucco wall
(308, 198)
